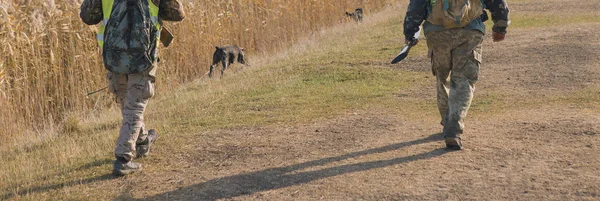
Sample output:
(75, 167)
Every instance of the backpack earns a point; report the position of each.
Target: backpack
(130, 37)
(454, 13)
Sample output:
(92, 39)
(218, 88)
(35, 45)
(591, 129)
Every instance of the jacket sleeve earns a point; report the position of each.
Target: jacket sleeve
(416, 13)
(499, 10)
(171, 10)
(91, 12)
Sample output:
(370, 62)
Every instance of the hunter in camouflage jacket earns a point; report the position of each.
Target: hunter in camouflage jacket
(169, 10)
(133, 91)
(418, 12)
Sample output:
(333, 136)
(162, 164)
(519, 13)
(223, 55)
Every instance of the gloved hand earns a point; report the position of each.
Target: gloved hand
(407, 42)
(498, 36)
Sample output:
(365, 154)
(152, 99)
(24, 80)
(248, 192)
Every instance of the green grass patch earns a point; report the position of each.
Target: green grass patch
(526, 20)
(588, 97)
(343, 72)
(487, 103)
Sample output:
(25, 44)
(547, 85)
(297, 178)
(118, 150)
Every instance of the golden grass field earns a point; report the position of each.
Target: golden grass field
(51, 60)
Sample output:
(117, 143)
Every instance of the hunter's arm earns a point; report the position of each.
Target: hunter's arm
(416, 13)
(91, 12)
(499, 10)
(171, 10)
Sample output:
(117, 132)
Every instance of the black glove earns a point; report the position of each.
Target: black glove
(484, 16)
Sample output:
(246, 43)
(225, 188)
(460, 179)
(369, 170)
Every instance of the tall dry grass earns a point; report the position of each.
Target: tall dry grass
(50, 59)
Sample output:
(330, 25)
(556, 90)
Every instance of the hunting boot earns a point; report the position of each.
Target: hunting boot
(123, 167)
(143, 149)
(453, 143)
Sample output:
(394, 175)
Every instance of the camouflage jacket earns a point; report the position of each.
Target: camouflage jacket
(418, 10)
(169, 10)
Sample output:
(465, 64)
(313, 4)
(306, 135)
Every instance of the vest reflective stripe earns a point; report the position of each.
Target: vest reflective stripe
(154, 14)
(154, 18)
(107, 6)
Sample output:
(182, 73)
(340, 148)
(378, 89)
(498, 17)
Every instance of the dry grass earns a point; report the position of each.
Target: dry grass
(52, 61)
(50, 66)
(275, 91)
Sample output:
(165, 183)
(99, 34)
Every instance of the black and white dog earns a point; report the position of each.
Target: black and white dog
(227, 55)
(357, 15)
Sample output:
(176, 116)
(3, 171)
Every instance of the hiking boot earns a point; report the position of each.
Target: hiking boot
(123, 167)
(453, 143)
(143, 149)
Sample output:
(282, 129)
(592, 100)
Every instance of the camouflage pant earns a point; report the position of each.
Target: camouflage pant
(132, 92)
(455, 57)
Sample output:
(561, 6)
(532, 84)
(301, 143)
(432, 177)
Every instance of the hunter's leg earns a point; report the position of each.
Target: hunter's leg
(140, 88)
(466, 59)
(441, 63)
(117, 84)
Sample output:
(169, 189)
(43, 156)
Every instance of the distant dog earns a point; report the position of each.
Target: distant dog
(357, 15)
(227, 55)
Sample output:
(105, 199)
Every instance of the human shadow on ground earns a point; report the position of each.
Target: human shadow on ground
(46, 188)
(276, 178)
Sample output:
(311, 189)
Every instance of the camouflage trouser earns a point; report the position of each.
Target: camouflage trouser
(132, 92)
(455, 57)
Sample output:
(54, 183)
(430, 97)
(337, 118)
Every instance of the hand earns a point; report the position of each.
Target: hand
(407, 42)
(498, 36)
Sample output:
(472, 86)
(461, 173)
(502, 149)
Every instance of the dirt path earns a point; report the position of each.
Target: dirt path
(532, 148)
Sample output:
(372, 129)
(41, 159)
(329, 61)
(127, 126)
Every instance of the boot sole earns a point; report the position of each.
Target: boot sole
(125, 172)
(453, 143)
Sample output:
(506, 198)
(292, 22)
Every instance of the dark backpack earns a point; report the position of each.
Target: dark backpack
(454, 13)
(130, 38)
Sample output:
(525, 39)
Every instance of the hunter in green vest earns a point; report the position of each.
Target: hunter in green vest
(132, 89)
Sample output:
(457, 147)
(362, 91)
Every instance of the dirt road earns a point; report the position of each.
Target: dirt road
(533, 133)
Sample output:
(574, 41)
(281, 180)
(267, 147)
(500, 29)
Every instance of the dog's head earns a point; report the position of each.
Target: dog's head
(220, 50)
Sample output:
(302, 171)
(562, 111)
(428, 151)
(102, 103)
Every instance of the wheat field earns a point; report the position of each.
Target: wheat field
(50, 59)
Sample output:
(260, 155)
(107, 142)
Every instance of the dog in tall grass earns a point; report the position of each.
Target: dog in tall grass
(226, 55)
(357, 15)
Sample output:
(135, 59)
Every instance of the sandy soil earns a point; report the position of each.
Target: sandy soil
(543, 152)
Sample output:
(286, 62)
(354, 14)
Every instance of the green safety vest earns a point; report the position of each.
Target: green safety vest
(107, 6)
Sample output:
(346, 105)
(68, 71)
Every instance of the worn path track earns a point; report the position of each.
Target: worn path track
(539, 142)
